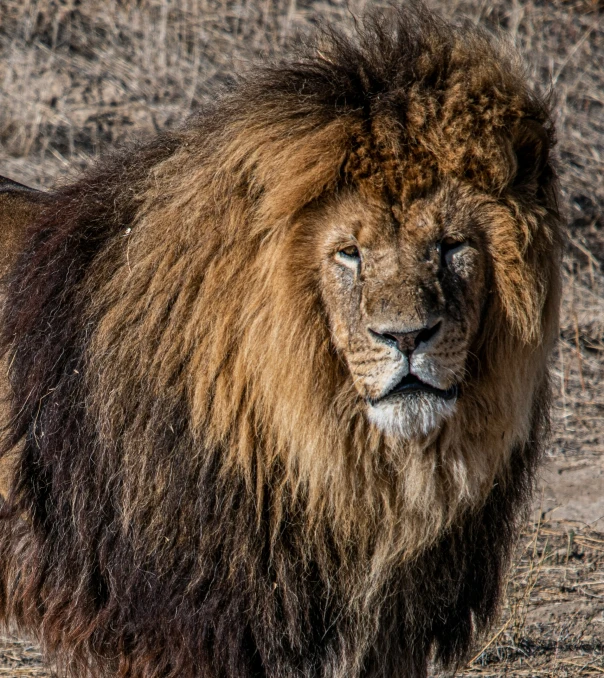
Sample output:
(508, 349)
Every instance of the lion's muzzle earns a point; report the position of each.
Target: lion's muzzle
(417, 389)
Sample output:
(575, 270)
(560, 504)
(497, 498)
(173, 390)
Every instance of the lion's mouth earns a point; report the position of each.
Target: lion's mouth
(412, 384)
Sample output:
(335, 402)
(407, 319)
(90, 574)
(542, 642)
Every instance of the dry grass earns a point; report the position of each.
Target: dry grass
(79, 77)
(553, 622)
(21, 658)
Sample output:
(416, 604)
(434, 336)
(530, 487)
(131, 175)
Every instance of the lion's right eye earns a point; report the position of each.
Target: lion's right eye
(349, 256)
(352, 252)
(449, 247)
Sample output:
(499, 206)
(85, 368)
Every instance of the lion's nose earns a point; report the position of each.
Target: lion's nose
(407, 342)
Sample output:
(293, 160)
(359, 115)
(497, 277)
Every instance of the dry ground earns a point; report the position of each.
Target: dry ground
(80, 76)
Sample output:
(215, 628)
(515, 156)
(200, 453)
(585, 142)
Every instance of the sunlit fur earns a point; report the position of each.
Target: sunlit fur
(200, 490)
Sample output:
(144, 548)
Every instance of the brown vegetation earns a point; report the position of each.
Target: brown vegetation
(103, 73)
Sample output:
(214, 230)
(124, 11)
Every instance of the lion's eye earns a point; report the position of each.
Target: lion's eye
(449, 247)
(352, 252)
(349, 256)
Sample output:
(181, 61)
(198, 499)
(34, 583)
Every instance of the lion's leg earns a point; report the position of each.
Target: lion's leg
(396, 662)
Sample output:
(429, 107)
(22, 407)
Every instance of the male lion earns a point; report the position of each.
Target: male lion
(279, 378)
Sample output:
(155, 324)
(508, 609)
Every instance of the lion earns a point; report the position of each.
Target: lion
(279, 378)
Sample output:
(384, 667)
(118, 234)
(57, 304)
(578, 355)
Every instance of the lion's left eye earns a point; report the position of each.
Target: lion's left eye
(448, 247)
(352, 252)
(349, 256)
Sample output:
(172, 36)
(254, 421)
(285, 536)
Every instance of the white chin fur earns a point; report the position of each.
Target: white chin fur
(412, 416)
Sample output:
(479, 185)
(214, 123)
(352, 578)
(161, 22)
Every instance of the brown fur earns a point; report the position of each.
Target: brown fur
(19, 207)
(206, 494)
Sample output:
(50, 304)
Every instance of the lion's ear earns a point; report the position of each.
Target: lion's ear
(19, 207)
(531, 144)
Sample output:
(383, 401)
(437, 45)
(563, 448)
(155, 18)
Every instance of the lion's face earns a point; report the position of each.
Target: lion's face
(404, 287)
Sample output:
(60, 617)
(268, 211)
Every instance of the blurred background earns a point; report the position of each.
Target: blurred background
(78, 77)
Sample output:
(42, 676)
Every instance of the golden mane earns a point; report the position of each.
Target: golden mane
(181, 407)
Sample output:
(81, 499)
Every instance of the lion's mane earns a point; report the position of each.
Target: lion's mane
(198, 492)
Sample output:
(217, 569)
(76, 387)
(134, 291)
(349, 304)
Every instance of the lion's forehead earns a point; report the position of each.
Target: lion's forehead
(397, 225)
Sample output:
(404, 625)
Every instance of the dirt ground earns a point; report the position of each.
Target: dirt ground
(77, 78)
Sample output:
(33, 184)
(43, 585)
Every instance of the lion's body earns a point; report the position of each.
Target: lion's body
(205, 492)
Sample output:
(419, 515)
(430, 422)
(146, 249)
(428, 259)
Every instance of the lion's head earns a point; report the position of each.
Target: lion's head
(307, 332)
(404, 288)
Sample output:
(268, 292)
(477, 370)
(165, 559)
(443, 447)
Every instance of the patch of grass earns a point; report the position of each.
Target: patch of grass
(553, 620)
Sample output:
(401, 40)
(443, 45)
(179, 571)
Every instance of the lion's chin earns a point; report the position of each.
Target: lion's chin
(411, 416)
